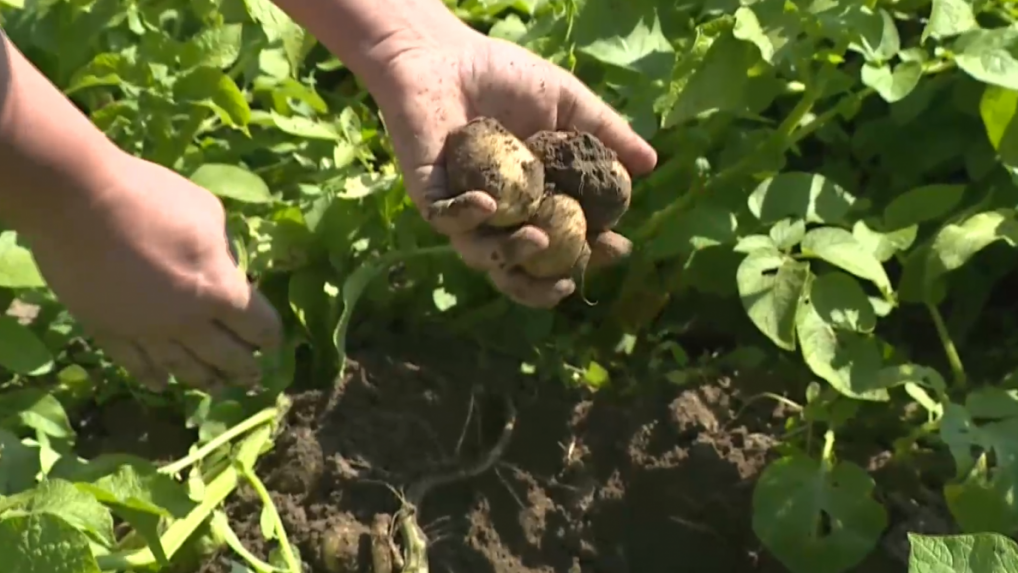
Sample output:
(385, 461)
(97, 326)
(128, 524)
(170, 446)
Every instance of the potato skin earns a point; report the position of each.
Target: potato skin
(483, 156)
(561, 217)
(580, 165)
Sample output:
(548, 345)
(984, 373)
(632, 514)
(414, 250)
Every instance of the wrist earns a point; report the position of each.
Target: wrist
(369, 35)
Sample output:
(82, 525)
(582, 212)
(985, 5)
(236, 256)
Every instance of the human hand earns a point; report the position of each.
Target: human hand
(143, 263)
(433, 88)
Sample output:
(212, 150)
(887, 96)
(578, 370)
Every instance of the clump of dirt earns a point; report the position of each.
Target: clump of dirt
(580, 165)
(589, 483)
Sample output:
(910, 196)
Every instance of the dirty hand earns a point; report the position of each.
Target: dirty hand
(143, 264)
(433, 88)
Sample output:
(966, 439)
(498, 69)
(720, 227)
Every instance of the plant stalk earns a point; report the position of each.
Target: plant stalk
(953, 357)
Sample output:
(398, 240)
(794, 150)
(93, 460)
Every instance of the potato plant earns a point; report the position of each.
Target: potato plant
(836, 195)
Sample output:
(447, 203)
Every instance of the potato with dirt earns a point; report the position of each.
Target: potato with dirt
(484, 156)
(561, 217)
(580, 165)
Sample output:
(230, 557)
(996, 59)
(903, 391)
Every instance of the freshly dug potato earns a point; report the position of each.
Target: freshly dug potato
(568, 252)
(578, 164)
(484, 156)
(339, 546)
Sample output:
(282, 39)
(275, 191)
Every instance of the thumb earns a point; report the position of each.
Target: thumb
(580, 108)
(449, 215)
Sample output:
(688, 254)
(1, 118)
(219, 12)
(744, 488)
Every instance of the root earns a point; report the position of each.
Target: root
(414, 555)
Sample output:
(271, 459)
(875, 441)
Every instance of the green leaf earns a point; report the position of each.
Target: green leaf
(232, 182)
(770, 285)
(842, 303)
(922, 204)
(848, 361)
(795, 494)
(443, 299)
(703, 226)
(990, 402)
(892, 86)
(218, 47)
(997, 108)
(977, 553)
(17, 265)
(983, 500)
(44, 543)
(19, 464)
(22, 352)
(787, 233)
(718, 84)
(884, 245)
(873, 33)
(989, 56)
(956, 243)
(210, 87)
(279, 27)
(753, 243)
(771, 28)
(949, 18)
(304, 127)
(34, 408)
(142, 497)
(802, 195)
(62, 499)
(625, 35)
(840, 248)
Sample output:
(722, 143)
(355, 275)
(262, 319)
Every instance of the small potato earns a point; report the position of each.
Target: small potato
(338, 548)
(579, 165)
(568, 252)
(483, 156)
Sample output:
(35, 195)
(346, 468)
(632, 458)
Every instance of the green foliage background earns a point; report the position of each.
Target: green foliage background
(836, 190)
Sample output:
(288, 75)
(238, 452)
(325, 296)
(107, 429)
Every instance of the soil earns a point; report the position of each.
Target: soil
(580, 165)
(659, 481)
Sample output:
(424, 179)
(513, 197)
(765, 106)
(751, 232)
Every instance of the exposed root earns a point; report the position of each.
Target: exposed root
(412, 557)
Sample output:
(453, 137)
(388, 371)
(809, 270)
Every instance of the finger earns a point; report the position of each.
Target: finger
(249, 316)
(460, 214)
(582, 109)
(131, 357)
(184, 365)
(608, 248)
(529, 291)
(217, 347)
(489, 249)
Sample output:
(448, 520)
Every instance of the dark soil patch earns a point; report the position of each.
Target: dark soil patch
(127, 426)
(660, 482)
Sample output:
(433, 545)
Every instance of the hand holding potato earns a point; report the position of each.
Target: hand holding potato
(567, 184)
(498, 220)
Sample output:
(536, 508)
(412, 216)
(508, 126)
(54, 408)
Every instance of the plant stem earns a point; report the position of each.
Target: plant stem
(221, 526)
(284, 544)
(201, 453)
(953, 358)
(827, 456)
(179, 531)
